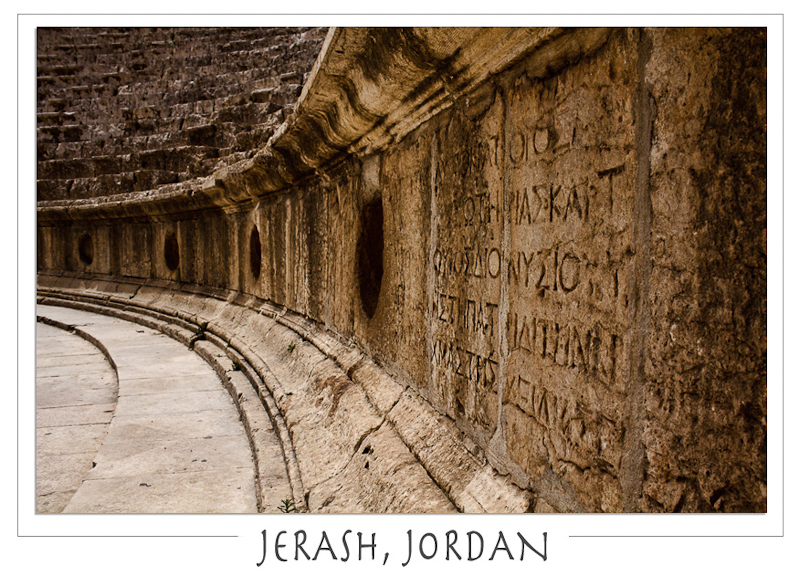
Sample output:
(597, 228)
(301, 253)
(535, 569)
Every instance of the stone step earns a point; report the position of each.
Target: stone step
(119, 183)
(201, 89)
(176, 442)
(176, 102)
(257, 136)
(53, 189)
(65, 169)
(186, 159)
(55, 118)
(58, 70)
(61, 133)
(86, 78)
(53, 105)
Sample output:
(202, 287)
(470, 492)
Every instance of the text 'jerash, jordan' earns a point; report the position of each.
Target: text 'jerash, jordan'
(402, 270)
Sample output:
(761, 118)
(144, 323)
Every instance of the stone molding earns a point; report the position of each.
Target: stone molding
(294, 371)
(352, 105)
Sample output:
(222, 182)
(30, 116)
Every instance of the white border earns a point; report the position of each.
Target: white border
(210, 555)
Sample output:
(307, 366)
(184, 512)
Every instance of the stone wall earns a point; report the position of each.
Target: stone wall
(556, 238)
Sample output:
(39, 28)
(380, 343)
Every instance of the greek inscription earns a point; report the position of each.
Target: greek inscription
(611, 172)
(555, 202)
(550, 410)
(541, 139)
(558, 269)
(473, 367)
(577, 426)
(469, 262)
(473, 315)
(489, 150)
(543, 270)
(602, 282)
(569, 269)
(590, 350)
(477, 209)
(474, 158)
(551, 203)
(519, 147)
(527, 143)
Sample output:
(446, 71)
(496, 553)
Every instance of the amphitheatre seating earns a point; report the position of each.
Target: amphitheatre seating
(130, 110)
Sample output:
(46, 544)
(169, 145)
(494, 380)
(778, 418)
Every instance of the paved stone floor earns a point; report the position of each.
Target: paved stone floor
(162, 435)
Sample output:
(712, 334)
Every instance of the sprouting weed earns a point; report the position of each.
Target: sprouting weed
(200, 335)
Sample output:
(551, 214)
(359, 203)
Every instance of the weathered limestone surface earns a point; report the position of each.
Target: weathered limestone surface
(705, 370)
(76, 393)
(548, 246)
(173, 441)
(359, 445)
(128, 110)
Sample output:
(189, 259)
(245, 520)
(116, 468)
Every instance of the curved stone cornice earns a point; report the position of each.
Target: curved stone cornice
(368, 88)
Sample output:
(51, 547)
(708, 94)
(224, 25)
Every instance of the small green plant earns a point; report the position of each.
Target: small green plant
(290, 347)
(287, 506)
(235, 366)
(200, 335)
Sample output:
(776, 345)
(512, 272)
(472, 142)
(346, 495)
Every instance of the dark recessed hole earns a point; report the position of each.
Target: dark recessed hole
(86, 249)
(370, 256)
(171, 251)
(255, 253)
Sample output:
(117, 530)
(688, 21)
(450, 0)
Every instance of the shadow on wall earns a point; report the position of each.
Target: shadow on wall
(370, 256)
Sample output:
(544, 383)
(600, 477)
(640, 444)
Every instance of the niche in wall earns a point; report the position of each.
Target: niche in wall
(370, 256)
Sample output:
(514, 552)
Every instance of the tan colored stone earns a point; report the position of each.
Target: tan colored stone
(549, 243)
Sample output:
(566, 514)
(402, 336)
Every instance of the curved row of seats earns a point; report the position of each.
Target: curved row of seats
(125, 110)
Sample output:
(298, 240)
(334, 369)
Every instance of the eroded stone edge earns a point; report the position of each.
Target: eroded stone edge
(466, 479)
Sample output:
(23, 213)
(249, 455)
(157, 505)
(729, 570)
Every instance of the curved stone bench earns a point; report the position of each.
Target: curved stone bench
(174, 442)
(76, 394)
(355, 439)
